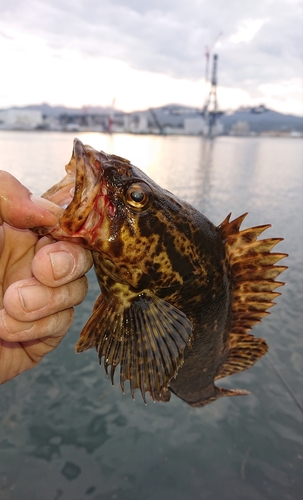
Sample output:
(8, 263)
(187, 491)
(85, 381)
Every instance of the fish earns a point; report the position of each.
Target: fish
(179, 295)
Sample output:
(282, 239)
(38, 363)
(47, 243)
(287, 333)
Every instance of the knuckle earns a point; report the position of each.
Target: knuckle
(59, 323)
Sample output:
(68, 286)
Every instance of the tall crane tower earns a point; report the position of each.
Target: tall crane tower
(210, 109)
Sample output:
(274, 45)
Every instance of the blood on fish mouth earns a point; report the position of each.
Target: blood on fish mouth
(83, 196)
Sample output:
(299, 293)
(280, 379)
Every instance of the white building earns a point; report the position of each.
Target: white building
(195, 126)
(137, 123)
(24, 119)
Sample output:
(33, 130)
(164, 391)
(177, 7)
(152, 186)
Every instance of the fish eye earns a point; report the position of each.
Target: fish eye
(138, 195)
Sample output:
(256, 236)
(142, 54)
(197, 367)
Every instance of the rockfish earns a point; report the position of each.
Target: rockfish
(178, 294)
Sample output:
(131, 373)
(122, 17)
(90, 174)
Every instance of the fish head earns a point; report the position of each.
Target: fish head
(138, 232)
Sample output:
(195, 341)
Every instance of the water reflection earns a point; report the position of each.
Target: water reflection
(203, 186)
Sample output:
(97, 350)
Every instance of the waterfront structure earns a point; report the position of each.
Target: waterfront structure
(20, 119)
(172, 119)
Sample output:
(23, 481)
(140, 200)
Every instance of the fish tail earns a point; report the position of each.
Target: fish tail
(219, 392)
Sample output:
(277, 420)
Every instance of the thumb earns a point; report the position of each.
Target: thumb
(22, 210)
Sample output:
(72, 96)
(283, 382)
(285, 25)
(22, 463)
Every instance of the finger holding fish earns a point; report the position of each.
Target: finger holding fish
(29, 300)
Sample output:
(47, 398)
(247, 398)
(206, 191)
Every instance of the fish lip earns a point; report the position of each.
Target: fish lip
(88, 185)
(82, 194)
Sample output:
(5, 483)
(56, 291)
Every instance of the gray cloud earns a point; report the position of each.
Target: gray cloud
(169, 36)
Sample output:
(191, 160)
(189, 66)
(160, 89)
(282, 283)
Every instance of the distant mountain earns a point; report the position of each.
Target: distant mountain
(263, 121)
(256, 120)
(55, 111)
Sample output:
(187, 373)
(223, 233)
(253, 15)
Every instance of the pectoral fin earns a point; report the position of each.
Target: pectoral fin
(147, 339)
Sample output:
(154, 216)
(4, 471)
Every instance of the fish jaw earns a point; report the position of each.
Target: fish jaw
(83, 196)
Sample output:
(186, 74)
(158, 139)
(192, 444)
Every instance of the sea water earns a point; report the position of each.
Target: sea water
(66, 433)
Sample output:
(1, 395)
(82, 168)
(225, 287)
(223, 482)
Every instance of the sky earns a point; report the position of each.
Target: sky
(148, 53)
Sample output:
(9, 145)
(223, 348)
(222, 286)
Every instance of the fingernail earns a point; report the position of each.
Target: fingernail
(47, 205)
(63, 263)
(34, 297)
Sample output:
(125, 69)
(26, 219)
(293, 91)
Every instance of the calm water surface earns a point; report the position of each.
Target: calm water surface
(66, 433)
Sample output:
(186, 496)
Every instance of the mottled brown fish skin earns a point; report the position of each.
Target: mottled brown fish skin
(178, 293)
(171, 268)
(204, 297)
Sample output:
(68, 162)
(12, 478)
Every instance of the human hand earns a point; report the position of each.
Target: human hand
(40, 280)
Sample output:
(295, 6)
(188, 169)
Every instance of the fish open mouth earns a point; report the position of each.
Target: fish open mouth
(82, 194)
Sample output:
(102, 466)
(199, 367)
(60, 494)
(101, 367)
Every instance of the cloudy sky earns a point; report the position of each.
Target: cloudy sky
(144, 53)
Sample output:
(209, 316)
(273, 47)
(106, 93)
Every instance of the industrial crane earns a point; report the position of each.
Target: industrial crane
(210, 108)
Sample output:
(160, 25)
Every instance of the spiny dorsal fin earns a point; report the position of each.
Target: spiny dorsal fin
(253, 272)
(147, 339)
